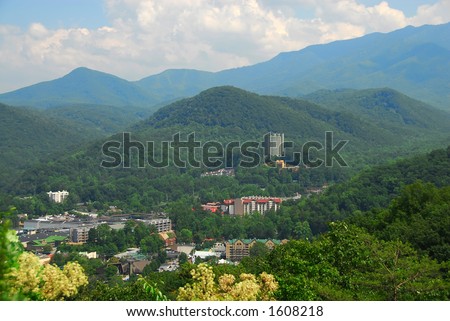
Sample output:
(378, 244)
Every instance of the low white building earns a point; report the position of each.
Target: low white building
(59, 196)
(204, 254)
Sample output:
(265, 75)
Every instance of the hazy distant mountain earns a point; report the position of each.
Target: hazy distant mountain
(178, 83)
(413, 60)
(81, 86)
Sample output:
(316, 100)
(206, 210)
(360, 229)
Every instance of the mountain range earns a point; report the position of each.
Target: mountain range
(412, 60)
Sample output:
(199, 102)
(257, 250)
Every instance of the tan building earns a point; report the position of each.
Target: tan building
(237, 249)
(80, 234)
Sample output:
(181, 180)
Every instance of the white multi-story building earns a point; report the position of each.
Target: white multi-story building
(59, 196)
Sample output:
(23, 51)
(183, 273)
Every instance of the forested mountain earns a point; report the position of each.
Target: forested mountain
(386, 108)
(29, 136)
(383, 118)
(413, 60)
(407, 200)
(226, 114)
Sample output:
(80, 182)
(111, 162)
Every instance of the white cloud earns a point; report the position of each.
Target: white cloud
(148, 36)
(432, 14)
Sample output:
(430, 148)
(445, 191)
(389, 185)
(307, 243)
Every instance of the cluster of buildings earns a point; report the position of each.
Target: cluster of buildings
(53, 230)
(41, 233)
(244, 205)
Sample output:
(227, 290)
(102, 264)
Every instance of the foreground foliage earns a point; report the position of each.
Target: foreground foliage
(23, 277)
(247, 288)
(36, 281)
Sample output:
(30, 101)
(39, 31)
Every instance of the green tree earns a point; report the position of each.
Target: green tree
(185, 236)
(47, 249)
(258, 250)
(347, 263)
(10, 251)
(182, 258)
(151, 244)
(302, 231)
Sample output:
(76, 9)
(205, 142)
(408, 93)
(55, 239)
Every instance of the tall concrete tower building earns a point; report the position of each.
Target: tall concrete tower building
(274, 144)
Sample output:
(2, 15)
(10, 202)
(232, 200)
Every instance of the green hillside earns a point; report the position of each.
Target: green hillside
(29, 136)
(375, 188)
(386, 107)
(407, 200)
(390, 122)
(106, 120)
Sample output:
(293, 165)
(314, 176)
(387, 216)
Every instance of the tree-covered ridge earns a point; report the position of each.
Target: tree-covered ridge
(375, 188)
(360, 113)
(347, 263)
(107, 120)
(228, 113)
(385, 107)
(419, 215)
(29, 137)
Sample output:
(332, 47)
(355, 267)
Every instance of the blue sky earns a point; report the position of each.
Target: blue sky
(53, 13)
(92, 13)
(43, 40)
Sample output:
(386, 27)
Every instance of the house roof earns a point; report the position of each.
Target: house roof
(167, 235)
